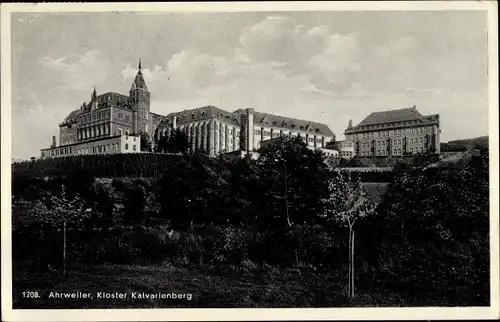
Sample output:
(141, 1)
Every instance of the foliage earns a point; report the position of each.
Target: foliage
(480, 143)
(294, 177)
(146, 143)
(428, 237)
(52, 211)
(347, 201)
(87, 167)
(176, 142)
(432, 229)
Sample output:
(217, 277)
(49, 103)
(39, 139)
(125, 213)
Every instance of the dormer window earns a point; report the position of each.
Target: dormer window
(192, 116)
(293, 126)
(301, 127)
(317, 130)
(274, 123)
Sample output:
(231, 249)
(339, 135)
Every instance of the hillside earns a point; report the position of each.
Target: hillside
(465, 144)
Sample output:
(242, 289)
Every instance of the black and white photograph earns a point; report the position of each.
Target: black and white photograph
(212, 156)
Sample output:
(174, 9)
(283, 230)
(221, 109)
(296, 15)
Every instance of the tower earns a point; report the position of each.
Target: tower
(349, 126)
(139, 100)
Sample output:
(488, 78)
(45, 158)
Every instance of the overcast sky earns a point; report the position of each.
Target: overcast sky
(321, 66)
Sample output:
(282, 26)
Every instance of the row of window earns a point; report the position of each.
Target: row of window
(112, 147)
(67, 134)
(125, 117)
(385, 125)
(346, 153)
(100, 115)
(390, 133)
(386, 153)
(60, 151)
(395, 142)
(144, 114)
(275, 134)
(93, 132)
(218, 126)
(144, 127)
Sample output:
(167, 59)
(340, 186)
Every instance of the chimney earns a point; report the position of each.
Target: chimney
(53, 141)
(249, 129)
(174, 122)
(350, 124)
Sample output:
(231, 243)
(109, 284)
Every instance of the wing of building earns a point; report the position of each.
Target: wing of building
(215, 131)
(108, 123)
(392, 133)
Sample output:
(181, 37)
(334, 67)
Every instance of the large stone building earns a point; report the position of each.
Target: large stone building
(98, 125)
(394, 133)
(215, 131)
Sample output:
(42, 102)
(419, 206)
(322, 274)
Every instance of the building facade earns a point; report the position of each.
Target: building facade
(114, 144)
(395, 133)
(346, 149)
(105, 118)
(215, 131)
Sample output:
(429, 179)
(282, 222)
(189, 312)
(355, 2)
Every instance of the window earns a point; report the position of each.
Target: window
(411, 150)
(126, 146)
(133, 147)
(411, 141)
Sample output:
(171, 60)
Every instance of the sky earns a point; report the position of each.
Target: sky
(328, 67)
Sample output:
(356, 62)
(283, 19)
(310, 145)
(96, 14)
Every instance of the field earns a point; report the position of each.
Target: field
(257, 287)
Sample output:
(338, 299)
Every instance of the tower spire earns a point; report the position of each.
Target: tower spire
(94, 94)
(139, 81)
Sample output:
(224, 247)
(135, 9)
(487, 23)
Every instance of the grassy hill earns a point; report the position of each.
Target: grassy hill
(465, 144)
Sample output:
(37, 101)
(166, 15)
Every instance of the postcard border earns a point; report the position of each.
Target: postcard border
(247, 314)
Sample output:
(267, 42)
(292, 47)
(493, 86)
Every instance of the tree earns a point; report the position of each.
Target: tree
(146, 143)
(347, 203)
(176, 142)
(56, 212)
(294, 177)
(432, 234)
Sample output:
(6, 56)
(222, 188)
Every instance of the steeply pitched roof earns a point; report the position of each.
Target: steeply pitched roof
(404, 114)
(113, 99)
(291, 124)
(264, 119)
(71, 116)
(204, 113)
(139, 81)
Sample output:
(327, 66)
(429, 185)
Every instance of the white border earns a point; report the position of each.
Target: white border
(8, 314)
